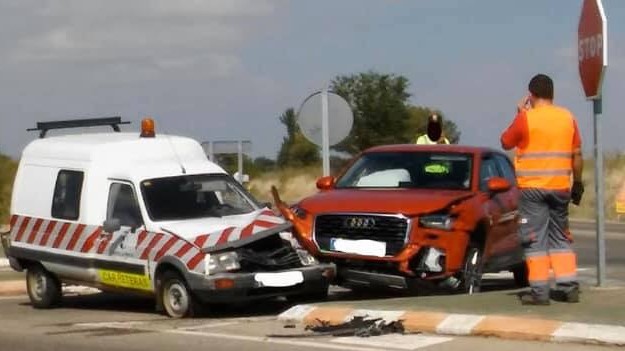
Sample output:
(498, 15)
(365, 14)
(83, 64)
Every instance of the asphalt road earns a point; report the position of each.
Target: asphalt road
(111, 322)
(105, 322)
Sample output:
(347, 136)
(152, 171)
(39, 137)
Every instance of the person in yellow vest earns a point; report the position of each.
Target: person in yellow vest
(434, 133)
(548, 155)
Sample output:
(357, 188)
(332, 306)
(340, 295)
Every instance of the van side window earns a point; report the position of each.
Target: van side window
(66, 199)
(123, 205)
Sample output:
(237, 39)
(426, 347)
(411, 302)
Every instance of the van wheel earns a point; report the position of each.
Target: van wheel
(471, 274)
(177, 301)
(521, 278)
(43, 287)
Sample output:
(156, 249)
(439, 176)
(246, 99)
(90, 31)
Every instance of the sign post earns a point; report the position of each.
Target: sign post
(325, 134)
(325, 119)
(593, 60)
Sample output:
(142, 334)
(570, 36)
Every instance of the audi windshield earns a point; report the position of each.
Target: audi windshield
(410, 170)
(194, 197)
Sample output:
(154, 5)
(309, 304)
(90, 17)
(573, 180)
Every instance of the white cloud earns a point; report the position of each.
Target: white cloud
(164, 34)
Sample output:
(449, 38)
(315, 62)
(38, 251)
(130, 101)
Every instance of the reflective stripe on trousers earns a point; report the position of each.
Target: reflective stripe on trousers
(544, 226)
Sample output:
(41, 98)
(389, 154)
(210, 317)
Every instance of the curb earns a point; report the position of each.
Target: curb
(13, 287)
(18, 288)
(505, 327)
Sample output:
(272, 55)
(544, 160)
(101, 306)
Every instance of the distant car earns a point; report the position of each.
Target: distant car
(404, 214)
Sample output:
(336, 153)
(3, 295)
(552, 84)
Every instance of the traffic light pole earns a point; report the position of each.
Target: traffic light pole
(600, 204)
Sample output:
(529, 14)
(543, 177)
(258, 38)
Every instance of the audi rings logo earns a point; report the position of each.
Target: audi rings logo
(360, 222)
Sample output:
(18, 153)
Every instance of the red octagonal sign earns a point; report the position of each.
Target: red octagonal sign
(592, 47)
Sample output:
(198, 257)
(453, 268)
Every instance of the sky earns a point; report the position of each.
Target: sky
(226, 69)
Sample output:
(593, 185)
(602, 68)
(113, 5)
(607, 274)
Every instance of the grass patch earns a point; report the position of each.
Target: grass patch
(297, 183)
(613, 182)
(293, 184)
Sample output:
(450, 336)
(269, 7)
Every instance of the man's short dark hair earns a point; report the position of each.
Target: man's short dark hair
(541, 86)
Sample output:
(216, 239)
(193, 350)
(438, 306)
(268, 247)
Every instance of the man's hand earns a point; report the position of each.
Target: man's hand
(576, 192)
(523, 104)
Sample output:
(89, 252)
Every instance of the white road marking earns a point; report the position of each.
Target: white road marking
(111, 325)
(290, 342)
(17, 297)
(209, 325)
(572, 332)
(458, 324)
(400, 342)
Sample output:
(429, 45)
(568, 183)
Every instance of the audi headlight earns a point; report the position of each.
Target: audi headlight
(437, 221)
(222, 262)
(306, 258)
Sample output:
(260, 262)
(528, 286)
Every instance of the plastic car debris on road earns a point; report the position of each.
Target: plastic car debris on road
(357, 326)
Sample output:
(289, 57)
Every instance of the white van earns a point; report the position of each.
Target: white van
(147, 213)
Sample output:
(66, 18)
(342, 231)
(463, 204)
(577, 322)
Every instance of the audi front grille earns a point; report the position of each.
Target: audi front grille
(392, 230)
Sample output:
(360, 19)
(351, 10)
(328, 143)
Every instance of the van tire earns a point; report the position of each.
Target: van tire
(176, 299)
(471, 274)
(43, 287)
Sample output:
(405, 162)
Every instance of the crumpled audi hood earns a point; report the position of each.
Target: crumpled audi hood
(404, 201)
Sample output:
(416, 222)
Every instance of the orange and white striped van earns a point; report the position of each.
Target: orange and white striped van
(149, 214)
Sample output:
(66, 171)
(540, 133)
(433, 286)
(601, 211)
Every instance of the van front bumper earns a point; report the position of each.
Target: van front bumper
(244, 286)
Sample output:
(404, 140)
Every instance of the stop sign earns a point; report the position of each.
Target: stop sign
(592, 47)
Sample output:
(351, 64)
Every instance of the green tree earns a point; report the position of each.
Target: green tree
(8, 167)
(418, 120)
(230, 163)
(264, 164)
(296, 150)
(379, 103)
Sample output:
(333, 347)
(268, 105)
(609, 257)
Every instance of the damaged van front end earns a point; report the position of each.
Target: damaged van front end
(269, 263)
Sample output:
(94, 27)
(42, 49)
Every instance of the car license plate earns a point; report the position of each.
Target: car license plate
(363, 247)
(279, 280)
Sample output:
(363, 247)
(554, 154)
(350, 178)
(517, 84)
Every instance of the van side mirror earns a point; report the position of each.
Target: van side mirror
(111, 225)
(498, 184)
(325, 183)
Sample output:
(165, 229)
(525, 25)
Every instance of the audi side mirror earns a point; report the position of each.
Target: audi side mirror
(498, 184)
(325, 183)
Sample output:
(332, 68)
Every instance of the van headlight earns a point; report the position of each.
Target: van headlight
(222, 262)
(437, 221)
(306, 258)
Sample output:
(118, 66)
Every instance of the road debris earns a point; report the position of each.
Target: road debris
(358, 326)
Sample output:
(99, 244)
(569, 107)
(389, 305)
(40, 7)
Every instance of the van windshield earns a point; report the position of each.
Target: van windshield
(194, 197)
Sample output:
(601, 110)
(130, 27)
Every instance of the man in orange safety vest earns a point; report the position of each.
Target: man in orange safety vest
(548, 155)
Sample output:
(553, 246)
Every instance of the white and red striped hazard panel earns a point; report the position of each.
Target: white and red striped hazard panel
(80, 239)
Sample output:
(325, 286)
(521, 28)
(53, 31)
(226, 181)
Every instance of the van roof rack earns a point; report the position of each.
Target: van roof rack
(44, 127)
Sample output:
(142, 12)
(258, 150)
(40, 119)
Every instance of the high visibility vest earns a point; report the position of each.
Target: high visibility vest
(546, 162)
(425, 140)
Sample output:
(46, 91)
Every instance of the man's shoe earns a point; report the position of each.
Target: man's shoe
(570, 296)
(529, 300)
